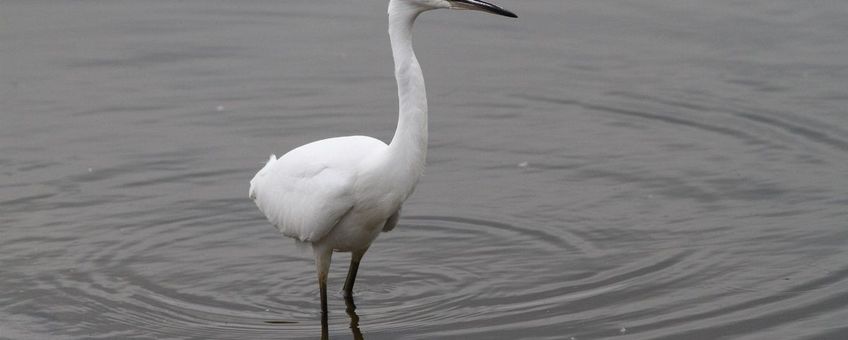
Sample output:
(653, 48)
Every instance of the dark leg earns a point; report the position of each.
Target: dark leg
(322, 286)
(322, 266)
(325, 327)
(355, 257)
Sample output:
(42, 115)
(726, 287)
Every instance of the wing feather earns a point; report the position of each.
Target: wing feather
(307, 191)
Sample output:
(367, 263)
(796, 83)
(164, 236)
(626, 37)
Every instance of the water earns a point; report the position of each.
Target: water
(648, 169)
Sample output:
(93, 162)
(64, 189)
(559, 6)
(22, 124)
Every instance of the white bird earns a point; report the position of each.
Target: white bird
(339, 193)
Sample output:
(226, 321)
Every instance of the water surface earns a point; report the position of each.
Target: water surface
(648, 169)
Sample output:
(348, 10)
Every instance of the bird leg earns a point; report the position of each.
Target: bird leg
(322, 286)
(325, 327)
(322, 264)
(355, 257)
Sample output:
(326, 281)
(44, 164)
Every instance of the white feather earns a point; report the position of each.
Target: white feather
(306, 192)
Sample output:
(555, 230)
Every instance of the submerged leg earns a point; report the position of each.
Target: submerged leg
(355, 257)
(322, 265)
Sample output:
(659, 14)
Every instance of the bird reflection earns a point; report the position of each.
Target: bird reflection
(354, 321)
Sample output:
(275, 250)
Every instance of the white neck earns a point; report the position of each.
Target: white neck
(409, 144)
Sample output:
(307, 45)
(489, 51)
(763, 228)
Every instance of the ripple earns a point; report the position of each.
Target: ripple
(634, 178)
(445, 275)
(434, 276)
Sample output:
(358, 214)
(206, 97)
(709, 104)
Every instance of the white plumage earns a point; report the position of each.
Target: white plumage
(338, 194)
(308, 190)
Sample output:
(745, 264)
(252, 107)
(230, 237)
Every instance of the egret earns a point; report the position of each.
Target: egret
(338, 194)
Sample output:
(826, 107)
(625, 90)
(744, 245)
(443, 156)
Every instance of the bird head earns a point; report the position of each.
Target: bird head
(474, 5)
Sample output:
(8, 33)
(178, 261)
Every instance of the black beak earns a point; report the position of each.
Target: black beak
(481, 5)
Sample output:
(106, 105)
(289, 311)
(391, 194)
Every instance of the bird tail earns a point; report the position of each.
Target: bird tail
(253, 182)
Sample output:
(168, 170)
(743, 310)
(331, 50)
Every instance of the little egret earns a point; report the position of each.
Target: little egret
(338, 194)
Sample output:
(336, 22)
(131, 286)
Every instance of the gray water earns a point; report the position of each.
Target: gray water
(649, 169)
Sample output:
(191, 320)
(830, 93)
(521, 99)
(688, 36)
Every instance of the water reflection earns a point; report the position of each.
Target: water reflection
(675, 169)
(350, 309)
(354, 318)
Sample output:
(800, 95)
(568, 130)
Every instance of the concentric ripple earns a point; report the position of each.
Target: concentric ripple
(597, 170)
(432, 276)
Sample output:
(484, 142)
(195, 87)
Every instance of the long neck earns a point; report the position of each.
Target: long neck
(409, 144)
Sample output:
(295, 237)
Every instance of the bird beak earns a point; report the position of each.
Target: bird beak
(480, 5)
